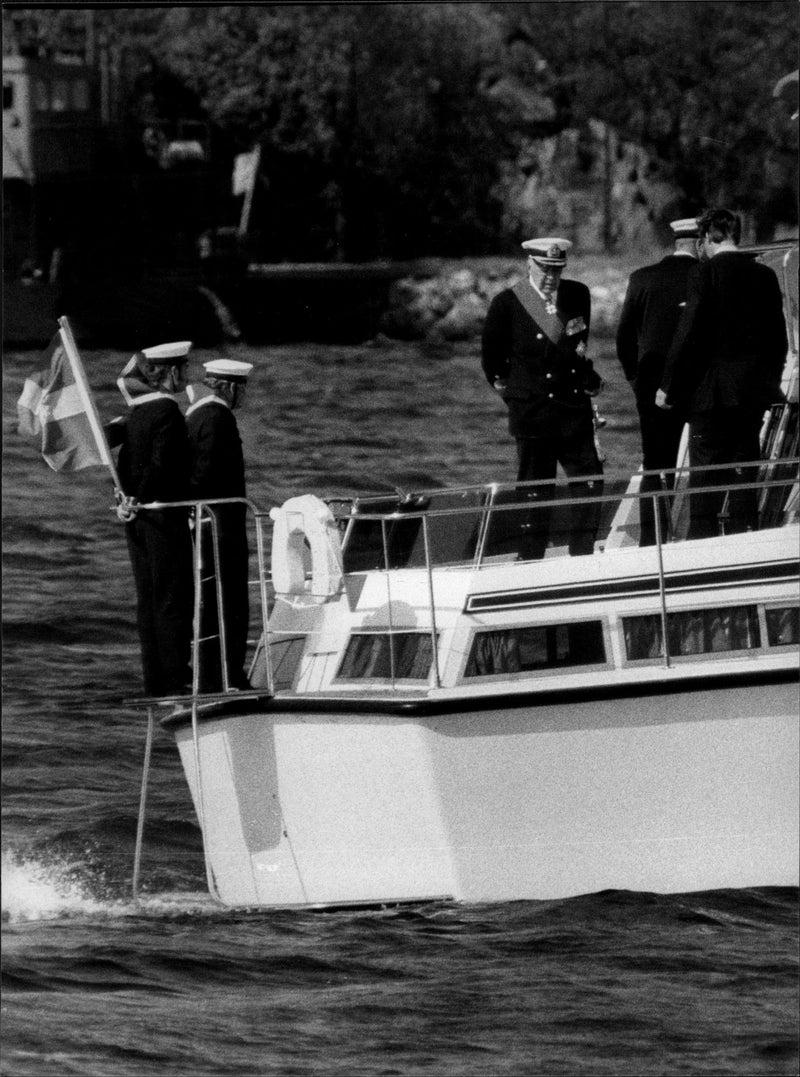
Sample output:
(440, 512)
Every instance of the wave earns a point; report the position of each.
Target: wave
(36, 890)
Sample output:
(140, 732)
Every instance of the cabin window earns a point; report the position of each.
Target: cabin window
(515, 650)
(388, 656)
(783, 626)
(285, 655)
(731, 628)
(8, 95)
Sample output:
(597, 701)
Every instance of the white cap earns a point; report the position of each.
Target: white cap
(685, 228)
(549, 250)
(161, 353)
(229, 369)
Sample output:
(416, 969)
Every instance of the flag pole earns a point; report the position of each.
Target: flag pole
(71, 349)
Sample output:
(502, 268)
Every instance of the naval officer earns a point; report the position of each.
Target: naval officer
(534, 354)
(154, 466)
(217, 471)
(654, 300)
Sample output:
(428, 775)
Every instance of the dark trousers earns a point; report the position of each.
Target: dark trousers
(538, 458)
(723, 436)
(233, 575)
(160, 549)
(661, 438)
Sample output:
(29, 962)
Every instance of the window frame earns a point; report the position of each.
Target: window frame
(385, 633)
(699, 656)
(542, 671)
(765, 608)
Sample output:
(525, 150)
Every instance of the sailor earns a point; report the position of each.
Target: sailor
(154, 466)
(654, 299)
(534, 354)
(217, 471)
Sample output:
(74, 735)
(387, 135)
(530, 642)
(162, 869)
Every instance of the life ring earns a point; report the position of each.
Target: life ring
(300, 521)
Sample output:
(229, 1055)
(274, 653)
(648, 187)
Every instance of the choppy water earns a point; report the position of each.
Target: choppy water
(612, 983)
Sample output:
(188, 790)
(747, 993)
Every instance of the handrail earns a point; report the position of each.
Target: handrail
(638, 495)
(357, 510)
(203, 517)
(513, 484)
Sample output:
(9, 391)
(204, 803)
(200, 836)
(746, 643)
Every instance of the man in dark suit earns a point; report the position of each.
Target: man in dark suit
(534, 355)
(655, 297)
(724, 369)
(217, 471)
(154, 466)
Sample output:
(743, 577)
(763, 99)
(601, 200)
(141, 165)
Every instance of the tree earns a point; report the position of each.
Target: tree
(377, 114)
(692, 82)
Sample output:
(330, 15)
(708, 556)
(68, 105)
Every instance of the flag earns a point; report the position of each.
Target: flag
(54, 415)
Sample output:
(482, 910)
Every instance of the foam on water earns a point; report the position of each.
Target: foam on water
(34, 891)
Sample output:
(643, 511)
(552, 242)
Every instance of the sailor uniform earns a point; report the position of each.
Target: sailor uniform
(154, 466)
(217, 471)
(539, 356)
(654, 300)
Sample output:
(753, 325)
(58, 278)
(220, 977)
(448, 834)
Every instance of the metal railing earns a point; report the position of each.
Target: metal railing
(356, 511)
(352, 511)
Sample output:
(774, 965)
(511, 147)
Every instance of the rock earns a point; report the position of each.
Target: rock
(462, 282)
(464, 320)
(409, 322)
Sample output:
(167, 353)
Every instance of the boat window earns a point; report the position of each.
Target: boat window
(8, 95)
(783, 626)
(514, 650)
(452, 537)
(732, 628)
(388, 655)
(285, 655)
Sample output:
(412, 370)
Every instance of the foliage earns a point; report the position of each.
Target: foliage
(377, 117)
(386, 130)
(692, 82)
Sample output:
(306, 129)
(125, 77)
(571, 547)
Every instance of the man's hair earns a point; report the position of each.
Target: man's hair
(152, 373)
(719, 225)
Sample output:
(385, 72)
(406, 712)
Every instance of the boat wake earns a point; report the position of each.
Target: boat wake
(34, 891)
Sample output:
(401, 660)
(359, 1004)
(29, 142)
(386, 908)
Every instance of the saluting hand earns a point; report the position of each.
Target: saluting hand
(661, 400)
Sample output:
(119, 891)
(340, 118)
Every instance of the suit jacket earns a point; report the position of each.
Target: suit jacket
(654, 300)
(154, 457)
(539, 356)
(730, 345)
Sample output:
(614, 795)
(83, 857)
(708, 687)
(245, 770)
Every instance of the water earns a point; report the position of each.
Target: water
(611, 983)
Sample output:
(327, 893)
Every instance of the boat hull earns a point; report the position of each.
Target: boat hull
(499, 799)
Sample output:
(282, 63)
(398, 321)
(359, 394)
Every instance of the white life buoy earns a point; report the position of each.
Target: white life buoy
(301, 520)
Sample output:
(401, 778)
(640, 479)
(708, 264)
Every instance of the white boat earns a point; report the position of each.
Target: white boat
(432, 718)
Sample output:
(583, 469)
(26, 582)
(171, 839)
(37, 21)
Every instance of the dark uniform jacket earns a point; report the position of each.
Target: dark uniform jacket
(730, 344)
(654, 301)
(218, 472)
(539, 356)
(217, 459)
(154, 466)
(154, 457)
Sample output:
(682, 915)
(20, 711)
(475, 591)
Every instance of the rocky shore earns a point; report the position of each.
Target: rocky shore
(448, 301)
